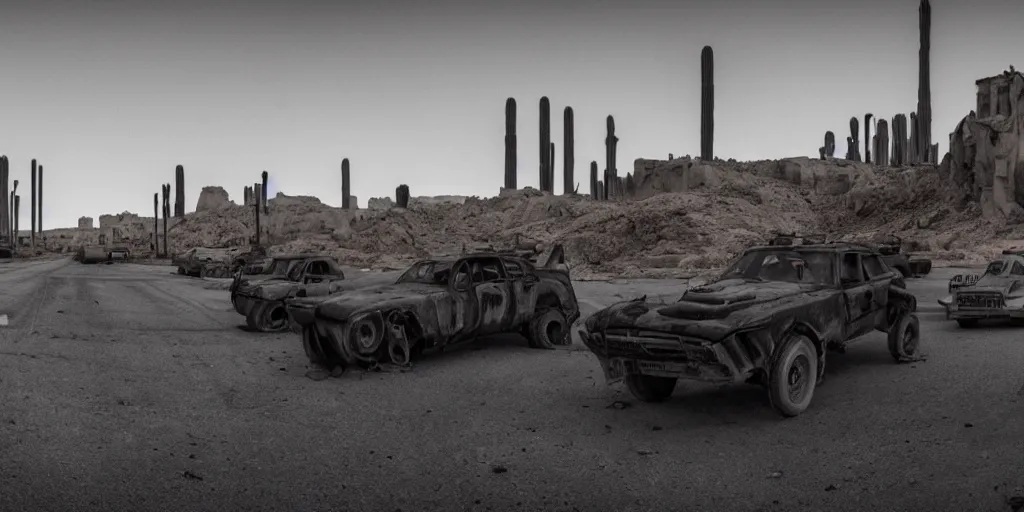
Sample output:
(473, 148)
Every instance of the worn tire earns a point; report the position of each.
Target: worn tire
(795, 359)
(905, 338)
(967, 323)
(651, 389)
(252, 319)
(269, 324)
(548, 329)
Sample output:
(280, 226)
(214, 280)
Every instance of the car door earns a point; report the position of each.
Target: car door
(462, 305)
(493, 294)
(520, 284)
(858, 295)
(879, 277)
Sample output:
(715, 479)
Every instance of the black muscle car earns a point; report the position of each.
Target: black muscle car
(436, 303)
(768, 319)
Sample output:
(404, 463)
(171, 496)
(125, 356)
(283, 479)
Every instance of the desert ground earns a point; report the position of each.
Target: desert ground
(124, 387)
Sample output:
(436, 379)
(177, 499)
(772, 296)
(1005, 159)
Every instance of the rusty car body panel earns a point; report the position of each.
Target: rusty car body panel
(998, 293)
(435, 303)
(730, 330)
(260, 298)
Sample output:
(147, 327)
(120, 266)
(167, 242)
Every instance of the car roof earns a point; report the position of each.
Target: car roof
(828, 247)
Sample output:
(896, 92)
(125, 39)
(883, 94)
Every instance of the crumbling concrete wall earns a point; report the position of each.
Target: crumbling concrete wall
(85, 223)
(987, 146)
(213, 198)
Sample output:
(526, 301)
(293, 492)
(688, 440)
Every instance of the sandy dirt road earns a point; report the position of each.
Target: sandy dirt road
(124, 387)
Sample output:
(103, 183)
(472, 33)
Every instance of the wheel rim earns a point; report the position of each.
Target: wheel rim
(277, 318)
(797, 378)
(909, 341)
(554, 331)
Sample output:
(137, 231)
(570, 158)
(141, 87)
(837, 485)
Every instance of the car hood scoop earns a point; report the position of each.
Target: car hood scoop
(719, 300)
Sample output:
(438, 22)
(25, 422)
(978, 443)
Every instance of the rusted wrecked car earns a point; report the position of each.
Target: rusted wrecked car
(437, 303)
(768, 319)
(997, 293)
(260, 298)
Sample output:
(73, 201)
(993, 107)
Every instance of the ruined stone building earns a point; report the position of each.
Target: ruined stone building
(986, 149)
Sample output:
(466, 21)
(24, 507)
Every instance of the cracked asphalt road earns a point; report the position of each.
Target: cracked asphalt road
(123, 387)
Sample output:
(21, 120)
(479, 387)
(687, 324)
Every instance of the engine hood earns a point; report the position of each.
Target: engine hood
(270, 288)
(710, 312)
(341, 306)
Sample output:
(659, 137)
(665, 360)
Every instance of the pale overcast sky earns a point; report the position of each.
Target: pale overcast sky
(109, 96)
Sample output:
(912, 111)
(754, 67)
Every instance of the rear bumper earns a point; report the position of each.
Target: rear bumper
(981, 314)
(730, 360)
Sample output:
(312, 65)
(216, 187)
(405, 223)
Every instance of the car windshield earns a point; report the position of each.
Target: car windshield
(428, 272)
(281, 267)
(995, 268)
(778, 265)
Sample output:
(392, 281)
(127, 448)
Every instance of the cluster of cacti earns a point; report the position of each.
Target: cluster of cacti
(546, 162)
(852, 144)
(33, 201)
(179, 191)
(345, 184)
(924, 86)
(402, 196)
(510, 144)
(707, 104)
(611, 172)
(569, 150)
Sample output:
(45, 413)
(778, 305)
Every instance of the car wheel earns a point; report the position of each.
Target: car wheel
(548, 329)
(275, 318)
(793, 376)
(905, 338)
(967, 323)
(651, 389)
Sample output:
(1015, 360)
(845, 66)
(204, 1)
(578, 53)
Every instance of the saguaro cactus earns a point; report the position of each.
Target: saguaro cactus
(510, 144)
(14, 204)
(853, 146)
(179, 191)
(568, 152)
(545, 144)
(167, 213)
(263, 194)
(156, 225)
(899, 137)
(882, 152)
(256, 208)
(913, 154)
(867, 137)
(402, 196)
(610, 143)
(346, 178)
(17, 210)
(830, 144)
(707, 104)
(924, 83)
(593, 180)
(606, 184)
(630, 185)
(6, 201)
(39, 207)
(33, 201)
(551, 170)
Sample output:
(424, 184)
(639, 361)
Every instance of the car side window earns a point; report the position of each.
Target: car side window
(873, 266)
(1017, 269)
(462, 281)
(319, 268)
(487, 272)
(514, 269)
(852, 271)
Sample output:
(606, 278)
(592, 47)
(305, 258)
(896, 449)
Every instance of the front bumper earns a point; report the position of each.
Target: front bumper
(664, 355)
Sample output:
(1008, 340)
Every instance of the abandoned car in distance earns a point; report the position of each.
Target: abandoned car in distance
(769, 319)
(997, 293)
(436, 303)
(260, 297)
